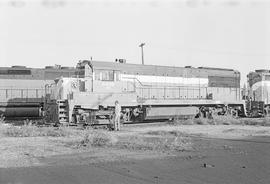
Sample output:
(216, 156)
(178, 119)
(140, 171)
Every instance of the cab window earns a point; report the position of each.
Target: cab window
(104, 75)
(267, 77)
(117, 75)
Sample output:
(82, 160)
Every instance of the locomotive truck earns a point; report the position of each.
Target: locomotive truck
(88, 91)
(145, 92)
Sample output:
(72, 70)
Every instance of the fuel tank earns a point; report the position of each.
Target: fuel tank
(13, 112)
(169, 112)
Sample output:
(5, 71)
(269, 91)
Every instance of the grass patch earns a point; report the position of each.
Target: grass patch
(256, 121)
(2, 119)
(144, 143)
(195, 121)
(226, 120)
(223, 120)
(151, 141)
(217, 120)
(167, 133)
(3, 125)
(98, 138)
(34, 131)
(203, 121)
(160, 140)
(181, 122)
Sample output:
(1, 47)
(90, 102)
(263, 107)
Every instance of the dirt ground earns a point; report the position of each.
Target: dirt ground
(215, 154)
(29, 151)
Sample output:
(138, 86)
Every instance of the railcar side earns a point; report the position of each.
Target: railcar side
(22, 89)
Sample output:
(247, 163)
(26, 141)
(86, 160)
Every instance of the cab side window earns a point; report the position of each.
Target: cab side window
(107, 75)
(97, 75)
(104, 75)
(117, 75)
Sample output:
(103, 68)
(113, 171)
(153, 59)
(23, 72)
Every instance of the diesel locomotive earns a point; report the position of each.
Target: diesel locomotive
(22, 89)
(145, 92)
(258, 93)
(87, 92)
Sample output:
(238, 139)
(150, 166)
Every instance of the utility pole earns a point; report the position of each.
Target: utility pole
(141, 45)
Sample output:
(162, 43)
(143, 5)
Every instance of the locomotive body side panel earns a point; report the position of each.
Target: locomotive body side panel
(161, 82)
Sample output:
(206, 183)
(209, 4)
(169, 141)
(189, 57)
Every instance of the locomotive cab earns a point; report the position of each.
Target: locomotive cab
(90, 94)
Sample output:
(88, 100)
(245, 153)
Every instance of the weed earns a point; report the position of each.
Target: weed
(166, 133)
(154, 143)
(2, 119)
(98, 139)
(217, 120)
(226, 120)
(159, 141)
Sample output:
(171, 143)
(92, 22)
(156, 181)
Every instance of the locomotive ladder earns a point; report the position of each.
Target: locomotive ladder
(62, 111)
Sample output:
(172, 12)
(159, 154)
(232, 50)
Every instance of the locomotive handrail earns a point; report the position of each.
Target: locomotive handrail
(136, 80)
(22, 88)
(175, 87)
(199, 86)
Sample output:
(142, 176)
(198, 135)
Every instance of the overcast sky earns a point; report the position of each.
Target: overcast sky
(215, 33)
